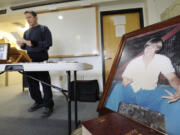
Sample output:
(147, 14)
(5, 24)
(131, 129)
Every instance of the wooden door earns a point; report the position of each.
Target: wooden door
(110, 33)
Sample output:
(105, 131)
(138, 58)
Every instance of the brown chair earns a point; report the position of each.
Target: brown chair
(16, 56)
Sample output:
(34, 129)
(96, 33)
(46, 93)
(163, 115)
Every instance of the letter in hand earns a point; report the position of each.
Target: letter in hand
(172, 97)
(20, 43)
(27, 42)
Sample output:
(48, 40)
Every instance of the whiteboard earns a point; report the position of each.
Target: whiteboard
(74, 31)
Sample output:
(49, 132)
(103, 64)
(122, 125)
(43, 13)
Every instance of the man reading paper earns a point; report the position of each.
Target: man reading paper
(38, 40)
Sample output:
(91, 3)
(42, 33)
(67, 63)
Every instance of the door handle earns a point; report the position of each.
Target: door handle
(107, 58)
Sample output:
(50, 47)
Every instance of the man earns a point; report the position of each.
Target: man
(139, 86)
(38, 40)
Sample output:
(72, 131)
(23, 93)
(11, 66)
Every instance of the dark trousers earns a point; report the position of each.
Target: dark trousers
(34, 88)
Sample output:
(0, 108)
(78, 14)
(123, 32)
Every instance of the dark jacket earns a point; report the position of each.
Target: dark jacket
(41, 39)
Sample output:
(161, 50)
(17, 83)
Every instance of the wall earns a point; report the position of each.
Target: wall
(154, 9)
(96, 61)
(76, 39)
(14, 78)
(172, 10)
(3, 78)
(59, 78)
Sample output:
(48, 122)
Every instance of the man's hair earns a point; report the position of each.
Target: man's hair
(31, 12)
(157, 41)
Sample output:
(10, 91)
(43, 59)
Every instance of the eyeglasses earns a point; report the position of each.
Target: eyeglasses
(155, 45)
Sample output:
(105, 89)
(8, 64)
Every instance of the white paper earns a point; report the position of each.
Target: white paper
(17, 37)
(120, 30)
(119, 20)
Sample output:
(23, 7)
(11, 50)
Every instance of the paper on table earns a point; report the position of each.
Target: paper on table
(17, 37)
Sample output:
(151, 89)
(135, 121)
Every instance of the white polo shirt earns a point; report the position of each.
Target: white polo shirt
(146, 77)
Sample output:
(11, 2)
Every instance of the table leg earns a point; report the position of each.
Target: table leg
(75, 100)
(69, 102)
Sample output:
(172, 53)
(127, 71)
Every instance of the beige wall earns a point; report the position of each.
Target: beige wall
(172, 10)
(154, 9)
(10, 78)
(3, 80)
(14, 78)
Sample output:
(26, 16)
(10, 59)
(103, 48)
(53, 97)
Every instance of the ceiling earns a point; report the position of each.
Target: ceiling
(6, 3)
(9, 3)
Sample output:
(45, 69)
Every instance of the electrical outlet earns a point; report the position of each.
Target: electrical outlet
(61, 78)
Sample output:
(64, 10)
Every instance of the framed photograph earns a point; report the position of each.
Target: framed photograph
(145, 76)
(4, 48)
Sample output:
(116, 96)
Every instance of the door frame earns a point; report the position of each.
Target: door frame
(113, 12)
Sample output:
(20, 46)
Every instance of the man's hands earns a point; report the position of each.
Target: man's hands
(22, 43)
(175, 83)
(172, 97)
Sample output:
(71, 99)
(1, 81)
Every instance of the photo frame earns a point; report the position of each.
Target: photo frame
(132, 46)
(4, 50)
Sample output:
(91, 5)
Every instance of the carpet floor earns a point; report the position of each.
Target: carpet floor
(16, 120)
